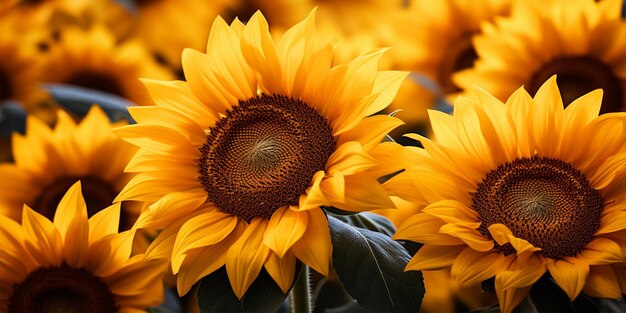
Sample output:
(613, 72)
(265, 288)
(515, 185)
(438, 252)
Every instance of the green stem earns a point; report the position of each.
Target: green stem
(301, 293)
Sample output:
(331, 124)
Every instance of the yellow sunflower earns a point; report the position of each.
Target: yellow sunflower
(48, 161)
(93, 59)
(582, 42)
(74, 264)
(519, 189)
(247, 150)
(442, 32)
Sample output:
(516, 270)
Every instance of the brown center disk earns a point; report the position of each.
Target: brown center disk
(98, 195)
(577, 76)
(262, 155)
(98, 81)
(545, 201)
(6, 88)
(459, 56)
(63, 290)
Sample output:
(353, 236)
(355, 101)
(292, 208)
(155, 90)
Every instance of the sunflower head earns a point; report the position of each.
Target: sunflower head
(247, 150)
(579, 41)
(74, 264)
(511, 192)
(49, 161)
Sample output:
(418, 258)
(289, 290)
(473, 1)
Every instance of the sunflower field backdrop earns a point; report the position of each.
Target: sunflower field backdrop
(333, 156)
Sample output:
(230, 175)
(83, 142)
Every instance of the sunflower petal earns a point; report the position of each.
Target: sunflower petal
(43, 240)
(285, 228)
(282, 270)
(314, 247)
(602, 283)
(570, 274)
(246, 257)
(430, 257)
(469, 235)
(472, 267)
(601, 251)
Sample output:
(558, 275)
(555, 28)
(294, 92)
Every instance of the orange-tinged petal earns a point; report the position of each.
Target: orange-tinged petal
(282, 269)
(522, 271)
(452, 211)
(601, 251)
(430, 257)
(125, 281)
(43, 240)
(424, 228)
(370, 131)
(204, 261)
(285, 228)
(314, 197)
(472, 267)
(246, 257)
(570, 274)
(201, 231)
(602, 283)
(470, 236)
(503, 235)
(350, 158)
(613, 222)
(70, 219)
(171, 206)
(314, 247)
(108, 255)
(105, 222)
(510, 298)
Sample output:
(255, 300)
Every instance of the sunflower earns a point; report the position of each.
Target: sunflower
(74, 264)
(581, 41)
(519, 189)
(92, 59)
(442, 33)
(245, 152)
(48, 161)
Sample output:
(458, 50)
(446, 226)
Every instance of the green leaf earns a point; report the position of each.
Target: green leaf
(371, 268)
(216, 295)
(79, 100)
(370, 221)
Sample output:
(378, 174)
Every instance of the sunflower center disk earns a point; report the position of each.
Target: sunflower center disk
(577, 76)
(263, 154)
(98, 195)
(545, 201)
(61, 289)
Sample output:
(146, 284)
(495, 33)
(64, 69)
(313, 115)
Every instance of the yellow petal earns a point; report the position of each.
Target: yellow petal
(246, 257)
(503, 235)
(285, 228)
(350, 158)
(522, 271)
(314, 247)
(430, 257)
(125, 282)
(570, 274)
(105, 222)
(510, 298)
(43, 240)
(424, 228)
(452, 211)
(204, 261)
(470, 236)
(386, 87)
(364, 193)
(601, 251)
(282, 269)
(201, 231)
(472, 267)
(613, 222)
(602, 283)
(260, 52)
(370, 131)
(70, 219)
(314, 197)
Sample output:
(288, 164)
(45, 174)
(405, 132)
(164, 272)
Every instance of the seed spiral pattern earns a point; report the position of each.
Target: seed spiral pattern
(263, 154)
(545, 201)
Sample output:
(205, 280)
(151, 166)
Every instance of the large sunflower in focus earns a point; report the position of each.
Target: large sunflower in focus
(582, 42)
(74, 264)
(93, 59)
(247, 150)
(514, 190)
(48, 161)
